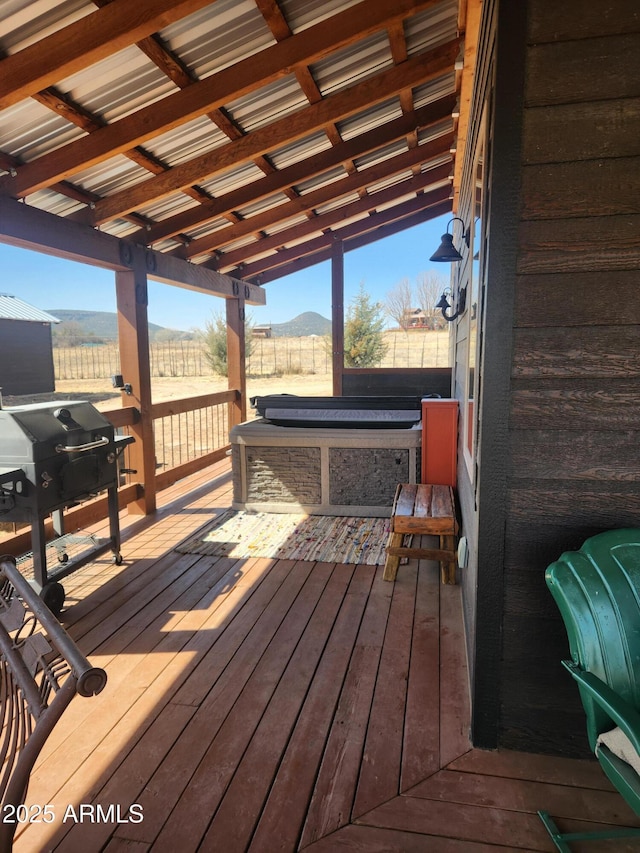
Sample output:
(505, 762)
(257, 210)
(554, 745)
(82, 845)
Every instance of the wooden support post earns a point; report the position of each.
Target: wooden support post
(133, 337)
(337, 315)
(236, 359)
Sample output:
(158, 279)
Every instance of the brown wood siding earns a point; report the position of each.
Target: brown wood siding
(26, 361)
(574, 433)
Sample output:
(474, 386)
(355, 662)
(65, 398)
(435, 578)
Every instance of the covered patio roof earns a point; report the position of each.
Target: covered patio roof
(243, 136)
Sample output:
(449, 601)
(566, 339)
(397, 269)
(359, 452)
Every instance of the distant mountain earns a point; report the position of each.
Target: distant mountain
(308, 323)
(103, 324)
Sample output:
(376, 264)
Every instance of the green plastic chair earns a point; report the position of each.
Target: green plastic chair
(597, 590)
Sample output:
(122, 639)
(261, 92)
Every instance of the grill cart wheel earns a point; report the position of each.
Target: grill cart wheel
(117, 559)
(53, 596)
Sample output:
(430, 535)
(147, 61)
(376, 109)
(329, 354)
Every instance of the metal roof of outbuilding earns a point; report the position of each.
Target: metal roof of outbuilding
(12, 308)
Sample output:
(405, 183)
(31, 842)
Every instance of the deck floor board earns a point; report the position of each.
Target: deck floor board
(269, 705)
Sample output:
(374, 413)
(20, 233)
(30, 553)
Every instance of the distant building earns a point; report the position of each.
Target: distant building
(26, 365)
(415, 318)
(261, 331)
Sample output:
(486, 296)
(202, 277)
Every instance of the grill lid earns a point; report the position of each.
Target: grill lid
(34, 430)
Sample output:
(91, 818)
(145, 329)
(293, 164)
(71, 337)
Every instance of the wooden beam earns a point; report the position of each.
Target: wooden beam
(85, 42)
(227, 85)
(472, 28)
(329, 193)
(236, 359)
(414, 71)
(133, 340)
(361, 226)
(366, 204)
(337, 314)
(357, 242)
(38, 230)
(290, 175)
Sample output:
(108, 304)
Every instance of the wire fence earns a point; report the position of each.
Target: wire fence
(268, 356)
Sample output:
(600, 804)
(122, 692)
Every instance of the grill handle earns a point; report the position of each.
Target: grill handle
(81, 448)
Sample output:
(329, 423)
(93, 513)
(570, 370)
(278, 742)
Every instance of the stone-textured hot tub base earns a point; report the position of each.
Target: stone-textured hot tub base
(321, 471)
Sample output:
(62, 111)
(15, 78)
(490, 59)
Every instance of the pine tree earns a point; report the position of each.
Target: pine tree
(364, 344)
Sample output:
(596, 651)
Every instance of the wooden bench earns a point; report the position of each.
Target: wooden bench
(423, 509)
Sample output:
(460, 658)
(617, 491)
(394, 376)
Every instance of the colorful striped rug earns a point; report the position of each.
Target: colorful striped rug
(289, 536)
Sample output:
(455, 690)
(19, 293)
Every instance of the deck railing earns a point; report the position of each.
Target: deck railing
(189, 434)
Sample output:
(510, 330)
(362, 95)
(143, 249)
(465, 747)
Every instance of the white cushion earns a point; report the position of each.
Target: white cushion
(619, 744)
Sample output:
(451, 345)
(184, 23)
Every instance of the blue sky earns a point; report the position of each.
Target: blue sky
(48, 282)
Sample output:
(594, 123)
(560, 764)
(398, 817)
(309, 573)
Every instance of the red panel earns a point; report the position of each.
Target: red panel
(439, 441)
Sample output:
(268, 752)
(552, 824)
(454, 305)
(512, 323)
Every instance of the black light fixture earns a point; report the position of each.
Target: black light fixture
(118, 382)
(444, 304)
(446, 251)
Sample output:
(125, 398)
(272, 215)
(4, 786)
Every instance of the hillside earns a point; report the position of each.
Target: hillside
(307, 323)
(103, 324)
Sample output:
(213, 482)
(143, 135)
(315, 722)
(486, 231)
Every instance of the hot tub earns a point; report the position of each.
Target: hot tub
(326, 455)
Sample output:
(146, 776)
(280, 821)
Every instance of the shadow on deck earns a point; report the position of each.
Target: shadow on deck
(273, 705)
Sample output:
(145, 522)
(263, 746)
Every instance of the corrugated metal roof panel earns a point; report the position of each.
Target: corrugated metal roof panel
(120, 228)
(118, 85)
(188, 141)
(356, 62)
(434, 26)
(337, 203)
(218, 36)
(300, 150)
(111, 176)
(54, 202)
(290, 244)
(247, 240)
(12, 308)
(399, 146)
(301, 14)
(28, 130)
(267, 104)
(209, 228)
(23, 22)
(262, 205)
(434, 90)
(370, 118)
(285, 224)
(168, 245)
(436, 130)
(168, 206)
(389, 181)
(395, 202)
(233, 179)
(318, 181)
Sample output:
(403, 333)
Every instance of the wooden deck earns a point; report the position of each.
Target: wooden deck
(275, 705)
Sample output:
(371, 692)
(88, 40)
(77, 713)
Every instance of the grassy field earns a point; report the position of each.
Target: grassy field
(268, 356)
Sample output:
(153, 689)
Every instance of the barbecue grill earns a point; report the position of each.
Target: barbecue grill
(52, 456)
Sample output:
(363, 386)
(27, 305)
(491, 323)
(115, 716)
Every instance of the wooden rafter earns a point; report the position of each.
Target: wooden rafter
(119, 24)
(300, 204)
(308, 202)
(297, 172)
(199, 98)
(379, 232)
(302, 123)
(366, 204)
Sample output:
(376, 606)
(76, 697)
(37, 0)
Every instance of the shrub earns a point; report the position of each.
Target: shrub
(214, 338)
